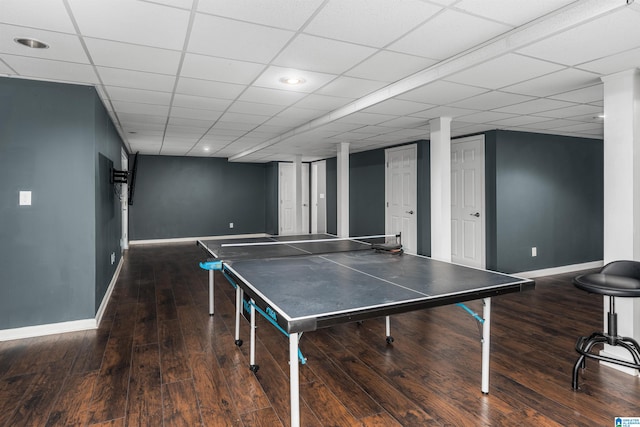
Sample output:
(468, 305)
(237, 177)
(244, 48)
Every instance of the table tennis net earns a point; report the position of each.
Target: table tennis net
(283, 247)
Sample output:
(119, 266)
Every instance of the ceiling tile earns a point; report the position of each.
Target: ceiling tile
(554, 83)
(615, 63)
(491, 100)
(398, 107)
(460, 30)
(219, 69)
(51, 70)
(260, 109)
(366, 118)
(350, 87)
(576, 110)
(322, 102)
(133, 57)
(379, 21)
(272, 96)
(590, 41)
(191, 113)
(535, 106)
(511, 12)
(199, 87)
(62, 47)
(443, 111)
(289, 14)
(441, 92)
(272, 78)
(200, 102)
(389, 66)
(227, 38)
(132, 21)
(51, 15)
(485, 117)
(587, 94)
(327, 56)
(492, 75)
(136, 108)
(136, 79)
(138, 95)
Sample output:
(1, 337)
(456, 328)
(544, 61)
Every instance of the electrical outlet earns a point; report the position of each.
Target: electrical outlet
(230, 225)
(113, 257)
(534, 251)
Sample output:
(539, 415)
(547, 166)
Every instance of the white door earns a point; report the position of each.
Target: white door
(401, 195)
(288, 202)
(306, 208)
(124, 203)
(467, 201)
(318, 200)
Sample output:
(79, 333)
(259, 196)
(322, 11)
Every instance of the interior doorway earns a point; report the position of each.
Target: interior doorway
(401, 211)
(467, 201)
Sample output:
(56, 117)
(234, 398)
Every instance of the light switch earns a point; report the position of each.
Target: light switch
(25, 198)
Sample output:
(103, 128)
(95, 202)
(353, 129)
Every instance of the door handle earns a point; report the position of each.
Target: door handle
(410, 212)
(477, 214)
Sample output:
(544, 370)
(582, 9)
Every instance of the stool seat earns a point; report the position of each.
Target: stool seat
(616, 279)
(608, 284)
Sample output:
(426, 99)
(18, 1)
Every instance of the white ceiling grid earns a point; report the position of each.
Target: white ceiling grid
(203, 77)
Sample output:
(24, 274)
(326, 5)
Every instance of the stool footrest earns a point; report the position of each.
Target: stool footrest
(585, 344)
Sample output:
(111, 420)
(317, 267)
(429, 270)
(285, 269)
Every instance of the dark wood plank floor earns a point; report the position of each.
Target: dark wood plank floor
(159, 359)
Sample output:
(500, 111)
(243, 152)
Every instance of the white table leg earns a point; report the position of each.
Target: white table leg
(486, 343)
(252, 350)
(211, 292)
(294, 380)
(239, 309)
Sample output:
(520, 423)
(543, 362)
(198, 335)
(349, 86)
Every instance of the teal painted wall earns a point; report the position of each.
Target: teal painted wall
(48, 260)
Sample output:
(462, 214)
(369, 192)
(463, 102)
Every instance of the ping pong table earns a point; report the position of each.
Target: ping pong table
(304, 283)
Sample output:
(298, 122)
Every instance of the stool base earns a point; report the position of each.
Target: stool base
(585, 344)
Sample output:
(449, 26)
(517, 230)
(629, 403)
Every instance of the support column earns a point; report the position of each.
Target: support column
(297, 179)
(343, 190)
(622, 193)
(440, 147)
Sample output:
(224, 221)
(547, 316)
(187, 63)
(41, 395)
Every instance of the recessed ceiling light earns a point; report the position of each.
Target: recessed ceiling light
(32, 43)
(293, 81)
(206, 148)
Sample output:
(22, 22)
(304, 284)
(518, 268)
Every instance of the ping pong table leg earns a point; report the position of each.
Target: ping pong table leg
(238, 314)
(252, 350)
(387, 322)
(294, 380)
(486, 343)
(211, 292)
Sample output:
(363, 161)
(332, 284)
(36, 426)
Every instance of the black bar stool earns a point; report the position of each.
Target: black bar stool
(616, 279)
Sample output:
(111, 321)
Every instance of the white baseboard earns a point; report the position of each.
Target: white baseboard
(107, 295)
(63, 327)
(48, 329)
(195, 239)
(560, 270)
(618, 353)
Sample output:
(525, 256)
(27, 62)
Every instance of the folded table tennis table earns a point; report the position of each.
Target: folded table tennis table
(301, 285)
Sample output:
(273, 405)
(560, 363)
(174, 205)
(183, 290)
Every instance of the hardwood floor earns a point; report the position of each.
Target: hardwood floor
(159, 359)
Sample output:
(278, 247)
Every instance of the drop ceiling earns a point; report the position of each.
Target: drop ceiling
(204, 77)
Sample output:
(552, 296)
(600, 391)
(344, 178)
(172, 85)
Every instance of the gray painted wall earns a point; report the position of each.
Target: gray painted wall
(108, 216)
(367, 194)
(193, 197)
(541, 190)
(544, 191)
(271, 198)
(48, 253)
